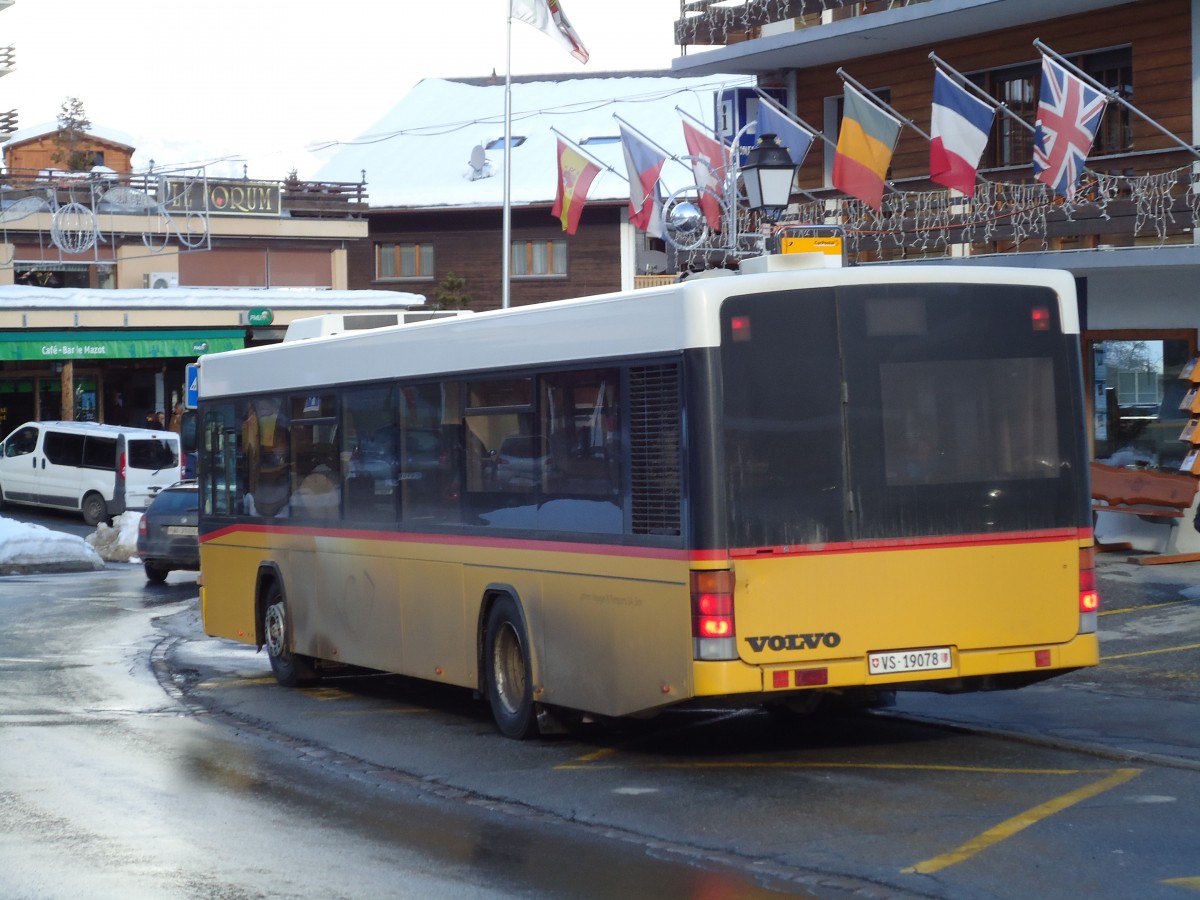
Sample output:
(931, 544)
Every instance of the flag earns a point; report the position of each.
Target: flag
(1068, 115)
(643, 163)
(864, 149)
(575, 174)
(708, 165)
(960, 127)
(796, 140)
(547, 16)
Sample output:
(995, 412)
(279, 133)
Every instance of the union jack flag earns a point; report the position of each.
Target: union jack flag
(1068, 115)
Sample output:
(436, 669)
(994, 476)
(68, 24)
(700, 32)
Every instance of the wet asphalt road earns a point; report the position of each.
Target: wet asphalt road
(142, 759)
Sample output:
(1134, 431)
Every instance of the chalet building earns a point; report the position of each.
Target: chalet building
(1127, 234)
(436, 166)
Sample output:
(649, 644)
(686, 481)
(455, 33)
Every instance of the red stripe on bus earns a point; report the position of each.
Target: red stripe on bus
(923, 543)
(456, 540)
(696, 556)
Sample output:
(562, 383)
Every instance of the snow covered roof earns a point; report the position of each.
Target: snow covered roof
(110, 135)
(419, 155)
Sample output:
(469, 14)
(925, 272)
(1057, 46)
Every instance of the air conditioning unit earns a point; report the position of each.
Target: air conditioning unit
(161, 279)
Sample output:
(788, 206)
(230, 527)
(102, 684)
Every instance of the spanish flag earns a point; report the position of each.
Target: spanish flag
(575, 176)
(864, 149)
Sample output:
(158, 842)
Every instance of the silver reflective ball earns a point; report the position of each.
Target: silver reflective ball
(687, 219)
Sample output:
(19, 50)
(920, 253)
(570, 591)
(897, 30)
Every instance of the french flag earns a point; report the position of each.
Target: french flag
(961, 125)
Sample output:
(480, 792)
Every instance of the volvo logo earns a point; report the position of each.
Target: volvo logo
(794, 641)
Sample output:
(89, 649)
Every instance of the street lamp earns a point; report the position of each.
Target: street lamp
(768, 174)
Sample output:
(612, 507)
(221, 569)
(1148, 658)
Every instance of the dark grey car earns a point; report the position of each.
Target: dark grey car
(167, 535)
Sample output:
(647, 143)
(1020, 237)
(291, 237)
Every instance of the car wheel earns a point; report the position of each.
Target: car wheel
(94, 509)
(507, 670)
(291, 669)
(155, 572)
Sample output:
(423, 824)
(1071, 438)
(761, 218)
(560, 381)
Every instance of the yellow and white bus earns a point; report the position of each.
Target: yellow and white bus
(766, 488)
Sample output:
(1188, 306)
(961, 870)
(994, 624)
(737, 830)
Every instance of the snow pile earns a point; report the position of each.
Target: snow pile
(118, 542)
(26, 547)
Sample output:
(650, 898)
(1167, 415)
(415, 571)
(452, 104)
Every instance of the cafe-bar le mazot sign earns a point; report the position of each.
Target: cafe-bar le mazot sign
(220, 198)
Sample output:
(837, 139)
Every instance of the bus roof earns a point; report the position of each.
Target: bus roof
(646, 322)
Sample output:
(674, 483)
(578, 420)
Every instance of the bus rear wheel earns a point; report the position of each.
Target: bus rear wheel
(291, 669)
(507, 670)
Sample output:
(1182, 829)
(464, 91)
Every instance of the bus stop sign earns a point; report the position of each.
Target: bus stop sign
(192, 381)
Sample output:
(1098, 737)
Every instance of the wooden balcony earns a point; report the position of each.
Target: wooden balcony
(101, 189)
(705, 22)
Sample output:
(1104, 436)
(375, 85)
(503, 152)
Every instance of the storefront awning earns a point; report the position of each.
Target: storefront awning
(60, 346)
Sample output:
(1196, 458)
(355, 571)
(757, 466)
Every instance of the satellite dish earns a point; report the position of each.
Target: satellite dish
(478, 162)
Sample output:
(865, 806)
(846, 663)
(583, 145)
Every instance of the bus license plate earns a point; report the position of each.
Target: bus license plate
(909, 661)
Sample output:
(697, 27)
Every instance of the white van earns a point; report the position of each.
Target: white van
(97, 470)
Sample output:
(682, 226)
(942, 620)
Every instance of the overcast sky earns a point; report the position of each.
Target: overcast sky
(192, 82)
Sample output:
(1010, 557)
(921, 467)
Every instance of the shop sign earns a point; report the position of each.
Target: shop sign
(260, 317)
(220, 198)
(63, 346)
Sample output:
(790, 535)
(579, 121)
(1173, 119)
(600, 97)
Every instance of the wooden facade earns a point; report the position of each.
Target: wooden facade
(48, 151)
(467, 243)
(1157, 34)
(1157, 31)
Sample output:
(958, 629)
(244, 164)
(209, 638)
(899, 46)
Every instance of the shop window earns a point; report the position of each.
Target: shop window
(1135, 397)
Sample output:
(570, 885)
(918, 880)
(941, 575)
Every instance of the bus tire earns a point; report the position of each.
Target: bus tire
(508, 672)
(94, 509)
(291, 669)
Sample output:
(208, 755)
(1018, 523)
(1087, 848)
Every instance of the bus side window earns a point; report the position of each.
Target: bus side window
(582, 488)
(368, 462)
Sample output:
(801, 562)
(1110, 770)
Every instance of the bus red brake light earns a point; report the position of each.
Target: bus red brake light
(1089, 597)
(1040, 318)
(714, 635)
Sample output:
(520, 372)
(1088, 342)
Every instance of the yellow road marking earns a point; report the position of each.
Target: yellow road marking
(1129, 609)
(324, 694)
(238, 682)
(588, 760)
(1193, 883)
(1007, 829)
(1150, 652)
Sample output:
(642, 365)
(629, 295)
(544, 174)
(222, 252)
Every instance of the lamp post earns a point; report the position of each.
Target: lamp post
(767, 175)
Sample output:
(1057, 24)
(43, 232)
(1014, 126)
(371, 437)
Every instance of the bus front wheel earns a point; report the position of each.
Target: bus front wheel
(507, 670)
(291, 669)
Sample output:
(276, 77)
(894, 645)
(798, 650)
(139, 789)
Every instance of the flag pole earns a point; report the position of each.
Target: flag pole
(600, 164)
(1112, 95)
(506, 216)
(664, 151)
(979, 92)
(845, 76)
(764, 97)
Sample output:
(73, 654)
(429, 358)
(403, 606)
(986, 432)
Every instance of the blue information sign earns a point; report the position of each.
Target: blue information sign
(192, 381)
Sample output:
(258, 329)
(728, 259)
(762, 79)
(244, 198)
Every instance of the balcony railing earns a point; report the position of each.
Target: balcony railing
(299, 199)
(716, 22)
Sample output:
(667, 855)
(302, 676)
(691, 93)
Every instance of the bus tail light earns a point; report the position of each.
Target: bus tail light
(714, 635)
(1089, 598)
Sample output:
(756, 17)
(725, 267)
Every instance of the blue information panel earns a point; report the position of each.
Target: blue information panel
(192, 381)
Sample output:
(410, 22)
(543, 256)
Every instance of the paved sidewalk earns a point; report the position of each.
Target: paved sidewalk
(1142, 702)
